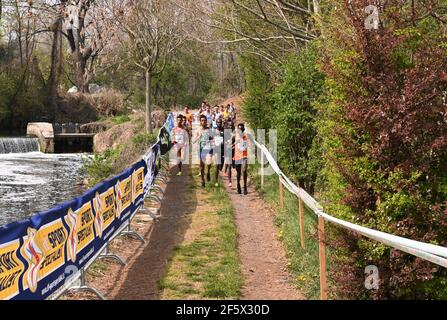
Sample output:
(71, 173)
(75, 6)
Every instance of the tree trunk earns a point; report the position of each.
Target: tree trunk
(148, 103)
(54, 77)
(316, 4)
(79, 66)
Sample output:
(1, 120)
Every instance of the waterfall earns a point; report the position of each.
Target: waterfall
(19, 145)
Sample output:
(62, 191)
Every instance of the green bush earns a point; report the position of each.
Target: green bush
(295, 117)
(258, 103)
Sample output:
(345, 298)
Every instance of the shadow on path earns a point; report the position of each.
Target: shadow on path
(178, 203)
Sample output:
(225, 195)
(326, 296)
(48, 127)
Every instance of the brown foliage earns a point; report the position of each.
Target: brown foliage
(393, 85)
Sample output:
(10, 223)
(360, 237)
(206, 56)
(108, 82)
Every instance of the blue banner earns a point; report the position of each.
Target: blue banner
(38, 254)
(164, 135)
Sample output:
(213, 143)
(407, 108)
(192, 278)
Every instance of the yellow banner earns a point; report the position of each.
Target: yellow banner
(105, 211)
(10, 269)
(81, 233)
(123, 191)
(137, 183)
(44, 251)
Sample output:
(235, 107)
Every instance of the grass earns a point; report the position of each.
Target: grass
(206, 266)
(302, 263)
(113, 161)
(121, 119)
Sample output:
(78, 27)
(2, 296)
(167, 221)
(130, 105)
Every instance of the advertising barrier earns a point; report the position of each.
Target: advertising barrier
(40, 254)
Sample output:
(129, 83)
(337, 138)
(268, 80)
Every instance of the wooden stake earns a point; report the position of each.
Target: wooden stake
(262, 170)
(323, 288)
(301, 216)
(281, 195)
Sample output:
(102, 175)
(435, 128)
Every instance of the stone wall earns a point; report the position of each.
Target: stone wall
(44, 132)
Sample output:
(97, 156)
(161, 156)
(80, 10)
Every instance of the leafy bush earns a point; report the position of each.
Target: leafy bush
(258, 104)
(295, 117)
(384, 141)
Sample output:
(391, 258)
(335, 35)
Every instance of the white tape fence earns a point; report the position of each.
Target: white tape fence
(430, 252)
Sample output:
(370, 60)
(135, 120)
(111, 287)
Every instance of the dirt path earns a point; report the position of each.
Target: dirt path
(262, 255)
(146, 264)
(148, 268)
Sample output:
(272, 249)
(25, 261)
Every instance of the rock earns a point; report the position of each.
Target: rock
(94, 88)
(73, 89)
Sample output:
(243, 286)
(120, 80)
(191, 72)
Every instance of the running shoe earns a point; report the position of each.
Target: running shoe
(179, 174)
(245, 191)
(230, 185)
(216, 185)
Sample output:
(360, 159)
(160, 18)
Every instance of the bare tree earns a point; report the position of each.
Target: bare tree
(88, 26)
(271, 29)
(150, 32)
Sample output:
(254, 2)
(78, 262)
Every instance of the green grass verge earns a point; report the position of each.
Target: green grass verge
(208, 267)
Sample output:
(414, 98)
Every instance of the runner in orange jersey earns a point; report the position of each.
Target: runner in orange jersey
(241, 156)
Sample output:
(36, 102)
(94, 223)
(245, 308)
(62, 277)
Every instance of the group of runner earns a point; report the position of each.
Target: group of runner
(219, 142)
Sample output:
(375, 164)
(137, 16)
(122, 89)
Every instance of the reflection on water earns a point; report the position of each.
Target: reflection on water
(35, 182)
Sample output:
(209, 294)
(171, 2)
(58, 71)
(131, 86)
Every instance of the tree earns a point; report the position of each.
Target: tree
(151, 30)
(270, 29)
(89, 26)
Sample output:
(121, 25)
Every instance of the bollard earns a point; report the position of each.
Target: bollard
(262, 171)
(322, 245)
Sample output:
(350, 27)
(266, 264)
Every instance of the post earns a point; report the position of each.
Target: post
(262, 171)
(301, 217)
(281, 194)
(323, 288)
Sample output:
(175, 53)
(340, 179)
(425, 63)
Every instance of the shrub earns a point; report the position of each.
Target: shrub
(384, 132)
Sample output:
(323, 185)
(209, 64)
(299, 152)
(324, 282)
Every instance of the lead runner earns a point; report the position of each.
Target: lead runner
(179, 138)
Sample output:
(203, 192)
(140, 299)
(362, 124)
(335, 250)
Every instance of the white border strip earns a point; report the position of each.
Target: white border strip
(430, 252)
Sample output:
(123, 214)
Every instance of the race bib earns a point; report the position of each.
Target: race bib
(179, 138)
(207, 145)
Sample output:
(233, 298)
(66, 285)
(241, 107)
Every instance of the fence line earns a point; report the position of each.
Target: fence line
(430, 252)
(48, 254)
(80, 275)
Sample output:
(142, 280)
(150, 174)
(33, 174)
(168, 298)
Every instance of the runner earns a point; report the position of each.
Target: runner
(226, 112)
(188, 116)
(209, 116)
(179, 138)
(241, 156)
(229, 151)
(219, 148)
(233, 111)
(187, 125)
(205, 138)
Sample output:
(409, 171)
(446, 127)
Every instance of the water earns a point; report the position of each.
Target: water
(18, 145)
(35, 182)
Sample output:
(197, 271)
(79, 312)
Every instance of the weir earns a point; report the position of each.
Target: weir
(19, 145)
(60, 138)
